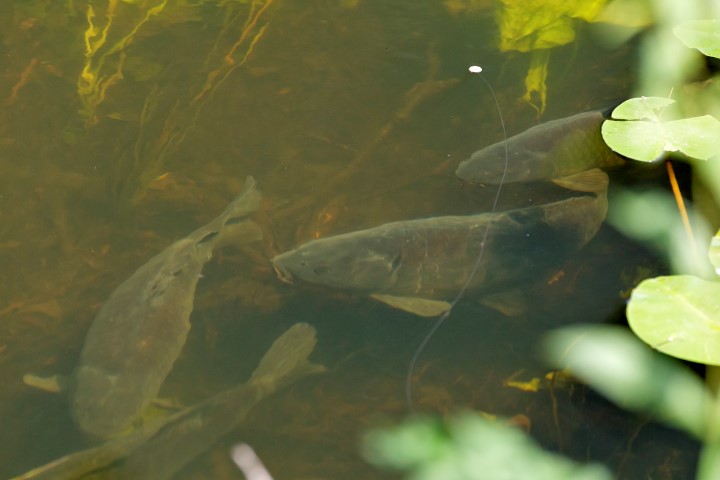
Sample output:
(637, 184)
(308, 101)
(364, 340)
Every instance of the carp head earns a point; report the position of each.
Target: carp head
(342, 262)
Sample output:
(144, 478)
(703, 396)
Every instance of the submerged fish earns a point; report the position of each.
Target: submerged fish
(420, 265)
(164, 446)
(550, 150)
(198, 428)
(140, 330)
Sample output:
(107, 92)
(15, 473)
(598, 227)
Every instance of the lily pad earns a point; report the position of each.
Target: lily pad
(638, 140)
(696, 137)
(642, 108)
(678, 315)
(714, 252)
(703, 35)
(626, 371)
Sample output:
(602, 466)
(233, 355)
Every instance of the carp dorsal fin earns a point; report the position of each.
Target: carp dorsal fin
(423, 307)
(591, 181)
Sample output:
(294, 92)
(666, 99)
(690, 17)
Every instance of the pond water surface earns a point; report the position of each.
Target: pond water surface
(348, 114)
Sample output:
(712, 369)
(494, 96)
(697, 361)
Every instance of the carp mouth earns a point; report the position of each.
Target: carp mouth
(282, 274)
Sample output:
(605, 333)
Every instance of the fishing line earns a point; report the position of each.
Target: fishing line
(411, 368)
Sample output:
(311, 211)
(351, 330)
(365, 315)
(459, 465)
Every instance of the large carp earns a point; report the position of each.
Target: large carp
(420, 265)
(162, 447)
(547, 151)
(140, 330)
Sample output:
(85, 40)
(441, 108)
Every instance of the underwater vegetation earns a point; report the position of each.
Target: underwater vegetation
(123, 67)
(675, 315)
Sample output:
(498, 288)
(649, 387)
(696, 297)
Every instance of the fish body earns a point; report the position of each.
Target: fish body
(199, 427)
(547, 151)
(164, 446)
(139, 332)
(430, 260)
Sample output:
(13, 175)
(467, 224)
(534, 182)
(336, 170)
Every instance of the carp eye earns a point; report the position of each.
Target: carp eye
(321, 270)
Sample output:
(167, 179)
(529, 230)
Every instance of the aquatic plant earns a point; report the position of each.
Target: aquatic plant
(104, 61)
(637, 131)
(675, 314)
(148, 119)
(678, 315)
(539, 26)
(635, 377)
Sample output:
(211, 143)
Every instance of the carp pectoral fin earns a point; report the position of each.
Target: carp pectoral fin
(510, 303)
(53, 384)
(592, 181)
(423, 307)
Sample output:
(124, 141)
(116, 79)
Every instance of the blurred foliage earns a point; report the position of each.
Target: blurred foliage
(651, 217)
(644, 136)
(631, 374)
(679, 315)
(635, 377)
(703, 35)
(714, 253)
(470, 447)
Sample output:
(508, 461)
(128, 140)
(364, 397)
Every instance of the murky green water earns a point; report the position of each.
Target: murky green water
(348, 116)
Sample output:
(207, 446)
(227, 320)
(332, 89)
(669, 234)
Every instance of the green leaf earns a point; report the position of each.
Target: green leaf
(697, 137)
(407, 445)
(642, 108)
(714, 252)
(629, 373)
(709, 464)
(473, 448)
(527, 25)
(701, 34)
(678, 315)
(638, 140)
